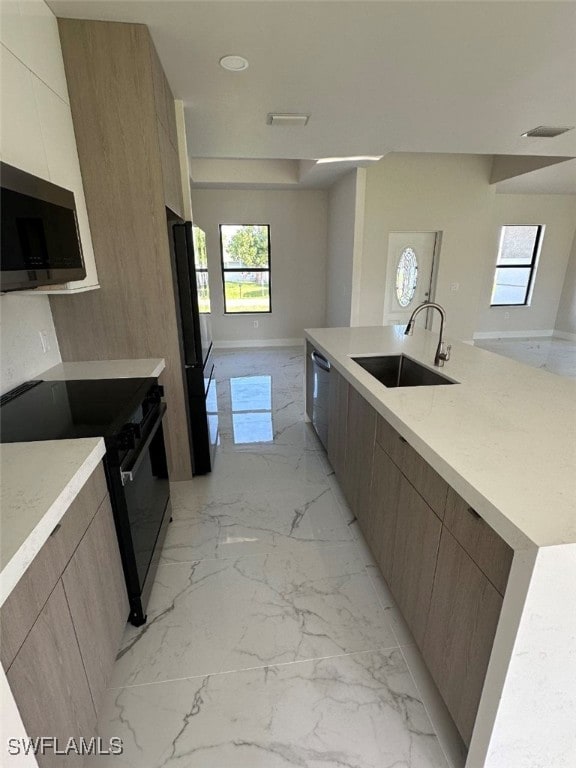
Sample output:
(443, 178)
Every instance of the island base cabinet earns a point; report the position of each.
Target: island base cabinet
(379, 525)
(49, 683)
(338, 428)
(361, 436)
(462, 620)
(416, 542)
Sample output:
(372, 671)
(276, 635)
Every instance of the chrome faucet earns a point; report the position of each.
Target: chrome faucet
(442, 351)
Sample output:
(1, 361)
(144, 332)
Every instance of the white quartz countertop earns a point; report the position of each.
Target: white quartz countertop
(504, 438)
(147, 368)
(38, 482)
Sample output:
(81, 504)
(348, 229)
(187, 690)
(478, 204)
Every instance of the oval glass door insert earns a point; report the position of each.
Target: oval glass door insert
(406, 277)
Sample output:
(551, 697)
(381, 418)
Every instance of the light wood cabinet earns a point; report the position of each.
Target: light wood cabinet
(445, 566)
(116, 97)
(49, 682)
(94, 586)
(338, 427)
(63, 622)
(21, 608)
(462, 621)
(170, 172)
(492, 555)
(361, 436)
(416, 541)
(423, 477)
(379, 527)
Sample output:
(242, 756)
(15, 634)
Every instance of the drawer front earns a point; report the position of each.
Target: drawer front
(390, 441)
(426, 480)
(22, 607)
(490, 553)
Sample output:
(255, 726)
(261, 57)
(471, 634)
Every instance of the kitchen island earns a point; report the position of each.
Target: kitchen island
(502, 440)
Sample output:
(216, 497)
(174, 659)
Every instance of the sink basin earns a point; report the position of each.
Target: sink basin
(400, 371)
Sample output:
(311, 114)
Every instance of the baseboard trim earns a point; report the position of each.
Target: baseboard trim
(247, 343)
(565, 335)
(512, 334)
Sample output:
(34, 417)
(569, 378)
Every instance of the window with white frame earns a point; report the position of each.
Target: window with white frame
(516, 265)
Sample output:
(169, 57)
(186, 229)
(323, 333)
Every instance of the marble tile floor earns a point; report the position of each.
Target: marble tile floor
(272, 640)
(554, 355)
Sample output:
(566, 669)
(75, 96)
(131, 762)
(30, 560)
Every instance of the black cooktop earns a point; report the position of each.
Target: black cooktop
(54, 410)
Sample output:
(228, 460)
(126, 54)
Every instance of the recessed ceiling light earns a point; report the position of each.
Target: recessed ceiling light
(234, 63)
(547, 131)
(286, 118)
(354, 159)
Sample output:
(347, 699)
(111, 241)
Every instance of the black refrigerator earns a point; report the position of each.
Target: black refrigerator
(191, 273)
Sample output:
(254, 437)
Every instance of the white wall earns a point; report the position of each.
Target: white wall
(566, 318)
(427, 193)
(558, 214)
(452, 194)
(298, 243)
(21, 353)
(38, 137)
(345, 236)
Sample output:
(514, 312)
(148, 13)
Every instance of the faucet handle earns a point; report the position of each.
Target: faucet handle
(442, 353)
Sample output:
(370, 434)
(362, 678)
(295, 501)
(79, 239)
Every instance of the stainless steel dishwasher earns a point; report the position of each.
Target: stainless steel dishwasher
(320, 393)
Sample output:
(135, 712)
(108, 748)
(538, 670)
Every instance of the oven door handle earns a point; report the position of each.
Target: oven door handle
(128, 475)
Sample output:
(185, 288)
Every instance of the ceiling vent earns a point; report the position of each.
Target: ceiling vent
(547, 131)
(287, 119)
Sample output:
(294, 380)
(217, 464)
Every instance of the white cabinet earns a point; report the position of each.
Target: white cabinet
(36, 123)
(21, 136)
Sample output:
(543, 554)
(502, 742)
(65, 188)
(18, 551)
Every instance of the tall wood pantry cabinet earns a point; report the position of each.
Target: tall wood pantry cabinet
(125, 125)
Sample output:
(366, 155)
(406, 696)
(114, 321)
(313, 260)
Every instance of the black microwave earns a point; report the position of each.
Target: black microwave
(40, 243)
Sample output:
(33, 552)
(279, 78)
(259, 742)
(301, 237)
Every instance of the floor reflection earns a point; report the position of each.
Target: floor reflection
(251, 407)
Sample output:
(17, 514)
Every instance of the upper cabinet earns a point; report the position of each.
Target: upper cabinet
(167, 135)
(37, 132)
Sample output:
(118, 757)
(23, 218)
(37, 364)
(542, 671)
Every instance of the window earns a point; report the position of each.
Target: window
(245, 252)
(201, 270)
(516, 265)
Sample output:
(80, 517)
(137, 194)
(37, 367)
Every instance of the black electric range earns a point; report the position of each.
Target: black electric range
(128, 414)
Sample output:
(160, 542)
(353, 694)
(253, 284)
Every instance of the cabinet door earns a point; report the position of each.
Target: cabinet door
(96, 593)
(379, 526)
(49, 683)
(361, 432)
(462, 621)
(337, 425)
(170, 171)
(416, 541)
(25, 602)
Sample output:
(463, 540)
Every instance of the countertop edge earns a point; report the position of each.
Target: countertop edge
(105, 369)
(16, 567)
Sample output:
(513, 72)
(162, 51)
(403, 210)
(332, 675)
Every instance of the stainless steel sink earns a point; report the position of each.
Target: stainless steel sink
(400, 371)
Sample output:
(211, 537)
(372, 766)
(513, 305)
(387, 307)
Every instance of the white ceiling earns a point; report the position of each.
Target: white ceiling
(375, 76)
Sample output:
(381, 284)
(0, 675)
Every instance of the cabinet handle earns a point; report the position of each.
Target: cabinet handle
(56, 529)
(474, 513)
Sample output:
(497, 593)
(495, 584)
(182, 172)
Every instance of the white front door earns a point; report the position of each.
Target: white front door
(409, 272)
